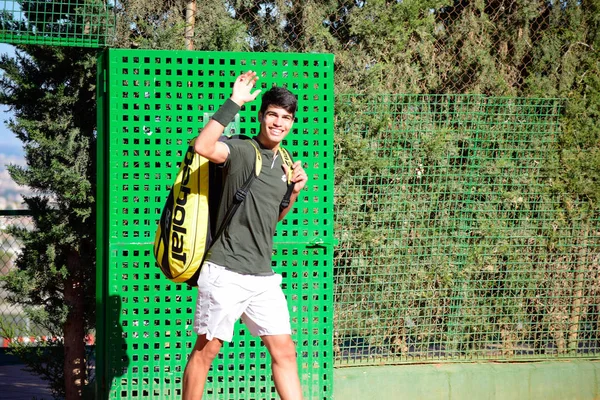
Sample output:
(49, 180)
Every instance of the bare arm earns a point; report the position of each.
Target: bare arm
(207, 143)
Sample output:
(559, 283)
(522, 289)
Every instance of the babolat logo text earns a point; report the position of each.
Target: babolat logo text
(179, 230)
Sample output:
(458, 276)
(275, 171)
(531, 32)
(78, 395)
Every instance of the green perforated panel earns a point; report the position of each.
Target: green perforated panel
(152, 103)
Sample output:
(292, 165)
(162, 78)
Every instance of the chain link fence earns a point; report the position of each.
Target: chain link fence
(88, 23)
(13, 316)
(491, 47)
(507, 47)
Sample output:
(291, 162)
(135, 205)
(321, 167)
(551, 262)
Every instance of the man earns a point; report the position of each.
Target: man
(237, 279)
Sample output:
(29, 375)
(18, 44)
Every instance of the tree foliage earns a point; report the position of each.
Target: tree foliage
(496, 48)
(51, 93)
(490, 47)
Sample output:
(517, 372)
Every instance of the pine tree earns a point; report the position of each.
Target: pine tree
(52, 94)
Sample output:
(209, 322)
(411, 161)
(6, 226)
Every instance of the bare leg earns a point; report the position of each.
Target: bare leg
(285, 368)
(196, 370)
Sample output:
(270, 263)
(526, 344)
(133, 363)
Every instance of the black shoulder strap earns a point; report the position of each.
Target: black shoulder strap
(240, 194)
(239, 197)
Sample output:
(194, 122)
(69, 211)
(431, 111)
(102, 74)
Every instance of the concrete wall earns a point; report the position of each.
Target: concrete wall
(560, 380)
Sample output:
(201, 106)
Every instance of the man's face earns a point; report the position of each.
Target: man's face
(275, 124)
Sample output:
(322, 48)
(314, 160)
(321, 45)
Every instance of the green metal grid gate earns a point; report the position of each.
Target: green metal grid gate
(150, 104)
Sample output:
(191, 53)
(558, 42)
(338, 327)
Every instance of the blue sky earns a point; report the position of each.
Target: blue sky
(8, 142)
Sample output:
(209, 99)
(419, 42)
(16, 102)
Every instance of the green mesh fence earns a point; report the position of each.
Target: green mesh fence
(452, 245)
(151, 104)
(85, 23)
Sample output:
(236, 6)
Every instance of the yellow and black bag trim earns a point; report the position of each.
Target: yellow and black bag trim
(185, 232)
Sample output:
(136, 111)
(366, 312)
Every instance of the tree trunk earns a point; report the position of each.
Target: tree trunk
(190, 20)
(74, 331)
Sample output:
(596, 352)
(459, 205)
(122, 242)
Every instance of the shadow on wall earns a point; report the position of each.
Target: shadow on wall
(116, 359)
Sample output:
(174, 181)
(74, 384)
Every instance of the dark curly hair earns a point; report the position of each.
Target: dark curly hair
(279, 97)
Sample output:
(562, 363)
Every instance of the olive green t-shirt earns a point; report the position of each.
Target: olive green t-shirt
(246, 245)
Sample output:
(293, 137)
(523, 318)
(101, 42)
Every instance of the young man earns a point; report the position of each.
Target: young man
(237, 280)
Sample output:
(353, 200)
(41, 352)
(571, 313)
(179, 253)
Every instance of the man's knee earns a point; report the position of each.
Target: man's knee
(206, 350)
(282, 350)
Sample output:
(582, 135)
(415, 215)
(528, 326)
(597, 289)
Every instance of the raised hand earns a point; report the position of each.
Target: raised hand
(242, 88)
(299, 176)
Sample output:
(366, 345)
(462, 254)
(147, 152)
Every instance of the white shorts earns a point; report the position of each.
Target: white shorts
(224, 296)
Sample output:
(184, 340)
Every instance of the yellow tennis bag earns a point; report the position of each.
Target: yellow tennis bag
(185, 230)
